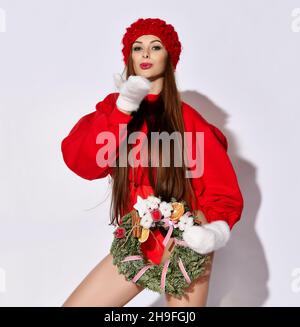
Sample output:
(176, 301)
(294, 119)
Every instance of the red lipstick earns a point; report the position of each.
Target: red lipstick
(145, 65)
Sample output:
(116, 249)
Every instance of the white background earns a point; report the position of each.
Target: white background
(239, 68)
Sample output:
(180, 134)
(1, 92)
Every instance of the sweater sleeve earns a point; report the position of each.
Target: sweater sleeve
(79, 148)
(217, 190)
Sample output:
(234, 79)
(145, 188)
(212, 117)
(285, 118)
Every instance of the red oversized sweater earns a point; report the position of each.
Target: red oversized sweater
(217, 191)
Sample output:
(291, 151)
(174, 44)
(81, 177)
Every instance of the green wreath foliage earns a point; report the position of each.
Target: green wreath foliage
(175, 285)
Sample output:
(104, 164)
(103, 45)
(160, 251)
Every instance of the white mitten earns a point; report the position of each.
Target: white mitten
(132, 91)
(207, 238)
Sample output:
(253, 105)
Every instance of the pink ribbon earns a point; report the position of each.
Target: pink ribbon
(163, 275)
(169, 224)
(132, 257)
(141, 273)
(184, 273)
(166, 264)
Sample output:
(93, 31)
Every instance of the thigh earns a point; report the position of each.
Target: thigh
(103, 286)
(197, 292)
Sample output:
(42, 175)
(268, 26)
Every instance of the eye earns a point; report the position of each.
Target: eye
(136, 48)
(157, 47)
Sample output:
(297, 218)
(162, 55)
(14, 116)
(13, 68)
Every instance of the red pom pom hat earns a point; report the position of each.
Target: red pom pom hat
(153, 26)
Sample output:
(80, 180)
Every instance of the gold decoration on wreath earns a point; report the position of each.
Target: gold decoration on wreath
(178, 211)
(145, 234)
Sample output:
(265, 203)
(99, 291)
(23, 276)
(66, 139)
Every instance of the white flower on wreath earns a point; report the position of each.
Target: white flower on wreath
(185, 221)
(147, 221)
(166, 209)
(141, 206)
(152, 202)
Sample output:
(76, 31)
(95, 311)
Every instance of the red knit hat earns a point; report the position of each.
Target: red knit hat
(153, 26)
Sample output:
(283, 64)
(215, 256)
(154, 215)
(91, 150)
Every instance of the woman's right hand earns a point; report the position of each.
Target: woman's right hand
(132, 91)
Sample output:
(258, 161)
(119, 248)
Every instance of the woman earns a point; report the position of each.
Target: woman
(148, 101)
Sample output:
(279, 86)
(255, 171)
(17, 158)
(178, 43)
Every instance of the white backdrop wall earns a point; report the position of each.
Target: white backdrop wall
(239, 68)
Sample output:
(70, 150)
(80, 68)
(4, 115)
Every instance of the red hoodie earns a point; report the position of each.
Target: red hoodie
(217, 191)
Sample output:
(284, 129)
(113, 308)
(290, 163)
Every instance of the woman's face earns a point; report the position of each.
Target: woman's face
(149, 49)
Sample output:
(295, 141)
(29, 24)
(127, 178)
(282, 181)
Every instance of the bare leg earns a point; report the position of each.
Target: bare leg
(103, 286)
(197, 293)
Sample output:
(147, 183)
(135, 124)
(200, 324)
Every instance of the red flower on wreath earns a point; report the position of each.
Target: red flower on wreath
(120, 232)
(156, 215)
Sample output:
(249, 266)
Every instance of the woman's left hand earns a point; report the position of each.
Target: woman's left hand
(208, 237)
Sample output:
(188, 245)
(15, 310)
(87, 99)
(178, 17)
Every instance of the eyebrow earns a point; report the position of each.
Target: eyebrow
(150, 42)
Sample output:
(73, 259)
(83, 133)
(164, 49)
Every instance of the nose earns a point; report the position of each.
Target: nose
(145, 54)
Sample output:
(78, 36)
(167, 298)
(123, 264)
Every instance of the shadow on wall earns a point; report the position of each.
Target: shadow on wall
(240, 272)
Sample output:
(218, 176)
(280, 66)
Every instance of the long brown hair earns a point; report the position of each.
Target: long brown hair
(166, 115)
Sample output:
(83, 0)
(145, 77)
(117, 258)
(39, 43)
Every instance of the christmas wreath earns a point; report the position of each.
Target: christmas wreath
(183, 264)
